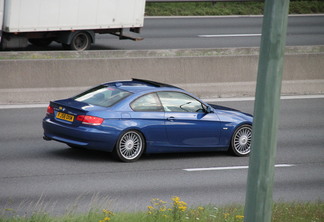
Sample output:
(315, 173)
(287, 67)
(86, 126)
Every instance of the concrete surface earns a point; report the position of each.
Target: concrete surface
(37, 77)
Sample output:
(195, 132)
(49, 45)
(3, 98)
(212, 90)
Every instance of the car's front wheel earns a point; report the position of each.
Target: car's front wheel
(241, 140)
(130, 146)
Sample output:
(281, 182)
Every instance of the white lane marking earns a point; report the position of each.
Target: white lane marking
(303, 97)
(239, 99)
(229, 35)
(23, 106)
(231, 168)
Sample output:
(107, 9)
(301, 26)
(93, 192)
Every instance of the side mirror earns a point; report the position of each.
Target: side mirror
(209, 109)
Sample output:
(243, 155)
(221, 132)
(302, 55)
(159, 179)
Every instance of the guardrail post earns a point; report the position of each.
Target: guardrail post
(258, 203)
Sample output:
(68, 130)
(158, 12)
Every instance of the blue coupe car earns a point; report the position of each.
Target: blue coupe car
(129, 118)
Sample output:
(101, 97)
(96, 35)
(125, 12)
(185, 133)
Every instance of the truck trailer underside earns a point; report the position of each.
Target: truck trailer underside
(75, 40)
(71, 23)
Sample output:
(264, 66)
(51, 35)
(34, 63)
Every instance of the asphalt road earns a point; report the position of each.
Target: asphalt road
(209, 32)
(36, 174)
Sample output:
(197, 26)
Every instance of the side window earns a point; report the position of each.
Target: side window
(180, 102)
(147, 103)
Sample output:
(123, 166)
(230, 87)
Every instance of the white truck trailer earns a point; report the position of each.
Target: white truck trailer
(70, 22)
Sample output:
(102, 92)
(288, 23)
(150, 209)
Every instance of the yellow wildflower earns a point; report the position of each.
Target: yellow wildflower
(108, 212)
(163, 208)
(175, 199)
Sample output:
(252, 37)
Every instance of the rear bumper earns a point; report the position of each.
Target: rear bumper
(97, 138)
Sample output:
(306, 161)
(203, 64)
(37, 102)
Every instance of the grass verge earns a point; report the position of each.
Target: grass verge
(177, 211)
(227, 8)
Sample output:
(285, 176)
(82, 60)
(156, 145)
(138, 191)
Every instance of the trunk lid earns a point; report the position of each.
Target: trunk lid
(67, 110)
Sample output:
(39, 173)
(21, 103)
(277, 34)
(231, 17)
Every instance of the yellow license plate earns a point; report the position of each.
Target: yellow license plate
(64, 116)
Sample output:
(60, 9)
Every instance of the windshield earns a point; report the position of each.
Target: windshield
(102, 96)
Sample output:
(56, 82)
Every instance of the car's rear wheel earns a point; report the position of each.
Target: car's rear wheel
(241, 140)
(130, 146)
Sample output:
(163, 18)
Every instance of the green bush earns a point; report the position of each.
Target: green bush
(227, 8)
(178, 211)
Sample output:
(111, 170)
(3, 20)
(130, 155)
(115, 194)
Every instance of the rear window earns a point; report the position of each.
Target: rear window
(105, 96)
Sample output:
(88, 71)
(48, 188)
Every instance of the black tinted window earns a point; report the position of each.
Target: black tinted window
(102, 96)
(147, 103)
(180, 102)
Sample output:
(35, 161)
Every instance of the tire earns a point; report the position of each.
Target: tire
(241, 140)
(40, 42)
(80, 41)
(130, 146)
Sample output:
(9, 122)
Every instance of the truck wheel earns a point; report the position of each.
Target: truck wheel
(81, 41)
(40, 42)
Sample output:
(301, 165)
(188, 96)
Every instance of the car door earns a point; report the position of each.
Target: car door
(187, 122)
(149, 117)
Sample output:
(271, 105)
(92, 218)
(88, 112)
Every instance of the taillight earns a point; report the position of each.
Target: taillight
(50, 110)
(90, 120)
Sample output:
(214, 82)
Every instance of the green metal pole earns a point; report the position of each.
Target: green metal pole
(258, 203)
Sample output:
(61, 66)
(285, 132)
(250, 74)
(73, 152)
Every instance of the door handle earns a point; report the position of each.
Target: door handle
(171, 118)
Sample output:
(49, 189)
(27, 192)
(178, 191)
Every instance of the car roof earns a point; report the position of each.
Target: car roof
(138, 85)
